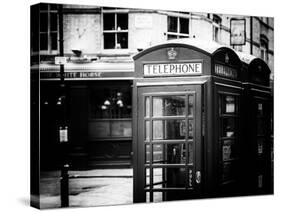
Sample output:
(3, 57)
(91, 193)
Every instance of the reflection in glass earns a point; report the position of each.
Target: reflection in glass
(168, 129)
(147, 153)
(260, 146)
(190, 105)
(147, 126)
(190, 153)
(168, 153)
(228, 127)
(147, 174)
(260, 109)
(229, 104)
(190, 177)
(260, 181)
(169, 106)
(147, 106)
(190, 128)
(228, 150)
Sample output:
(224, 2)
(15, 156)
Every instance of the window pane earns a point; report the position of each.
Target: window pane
(147, 127)
(109, 21)
(35, 28)
(169, 106)
(228, 150)
(172, 24)
(229, 104)
(167, 154)
(184, 25)
(190, 105)
(43, 41)
(228, 127)
(190, 129)
(171, 37)
(147, 106)
(43, 6)
(190, 153)
(147, 153)
(43, 22)
(121, 128)
(53, 22)
(122, 21)
(109, 40)
(260, 109)
(122, 40)
(229, 171)
(54, 40)
(53, 6)
(176, 177)
(260, 146)
(110, 102)
(169, 129)
(261, 126)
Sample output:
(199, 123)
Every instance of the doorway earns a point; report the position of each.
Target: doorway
(169, 149)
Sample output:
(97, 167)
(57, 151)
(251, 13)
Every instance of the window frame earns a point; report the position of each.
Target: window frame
(216, 25)
(179, 16)
(264, 48)
(114, 11)
(49, 31)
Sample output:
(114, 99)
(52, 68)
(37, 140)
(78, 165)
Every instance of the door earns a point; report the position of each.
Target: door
(168, 143)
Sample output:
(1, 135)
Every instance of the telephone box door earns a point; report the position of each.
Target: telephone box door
(169, 143)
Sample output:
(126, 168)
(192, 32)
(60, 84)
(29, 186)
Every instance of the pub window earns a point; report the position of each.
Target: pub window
(178, 27)
(48, 28)
(115, 28)
(110, 112)
(264, 49)
(216, 28)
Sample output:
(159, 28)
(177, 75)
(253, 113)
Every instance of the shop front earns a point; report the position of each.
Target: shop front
(98, 115)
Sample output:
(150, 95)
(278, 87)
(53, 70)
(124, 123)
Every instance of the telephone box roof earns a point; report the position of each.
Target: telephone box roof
(207, 47)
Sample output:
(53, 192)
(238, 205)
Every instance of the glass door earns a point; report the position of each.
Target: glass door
(169, 142)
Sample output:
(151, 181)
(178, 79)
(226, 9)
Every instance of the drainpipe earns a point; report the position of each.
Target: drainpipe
(63, 129)
(251, 35)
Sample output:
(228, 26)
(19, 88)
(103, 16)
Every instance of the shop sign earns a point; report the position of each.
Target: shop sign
(172, 69)
(237, 32)
(71, 75)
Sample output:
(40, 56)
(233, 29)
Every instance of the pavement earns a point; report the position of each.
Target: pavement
(97, 187)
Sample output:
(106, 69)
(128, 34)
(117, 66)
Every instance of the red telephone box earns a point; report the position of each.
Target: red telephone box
(186, 121)
(258, 128)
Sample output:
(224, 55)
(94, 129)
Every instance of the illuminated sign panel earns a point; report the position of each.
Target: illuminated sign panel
(225, 71)
(172, 69)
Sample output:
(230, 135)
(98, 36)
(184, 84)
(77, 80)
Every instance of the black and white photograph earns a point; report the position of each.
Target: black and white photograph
(135, 105)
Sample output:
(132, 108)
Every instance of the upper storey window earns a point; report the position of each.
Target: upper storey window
(115, 28)
(216, 28)
(264, 48)
(48, 28)
(178, 26)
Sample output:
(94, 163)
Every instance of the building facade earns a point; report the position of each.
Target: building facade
(98, 44)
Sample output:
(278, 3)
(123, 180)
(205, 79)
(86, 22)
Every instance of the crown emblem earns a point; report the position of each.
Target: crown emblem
(226, 58)
(172, 53)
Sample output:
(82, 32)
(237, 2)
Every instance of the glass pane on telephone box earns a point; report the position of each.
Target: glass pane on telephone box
(169, 144)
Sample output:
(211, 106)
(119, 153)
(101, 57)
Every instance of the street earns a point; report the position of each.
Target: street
(88, 188)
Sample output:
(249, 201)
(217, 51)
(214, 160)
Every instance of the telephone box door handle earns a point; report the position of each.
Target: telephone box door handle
(198, 177)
